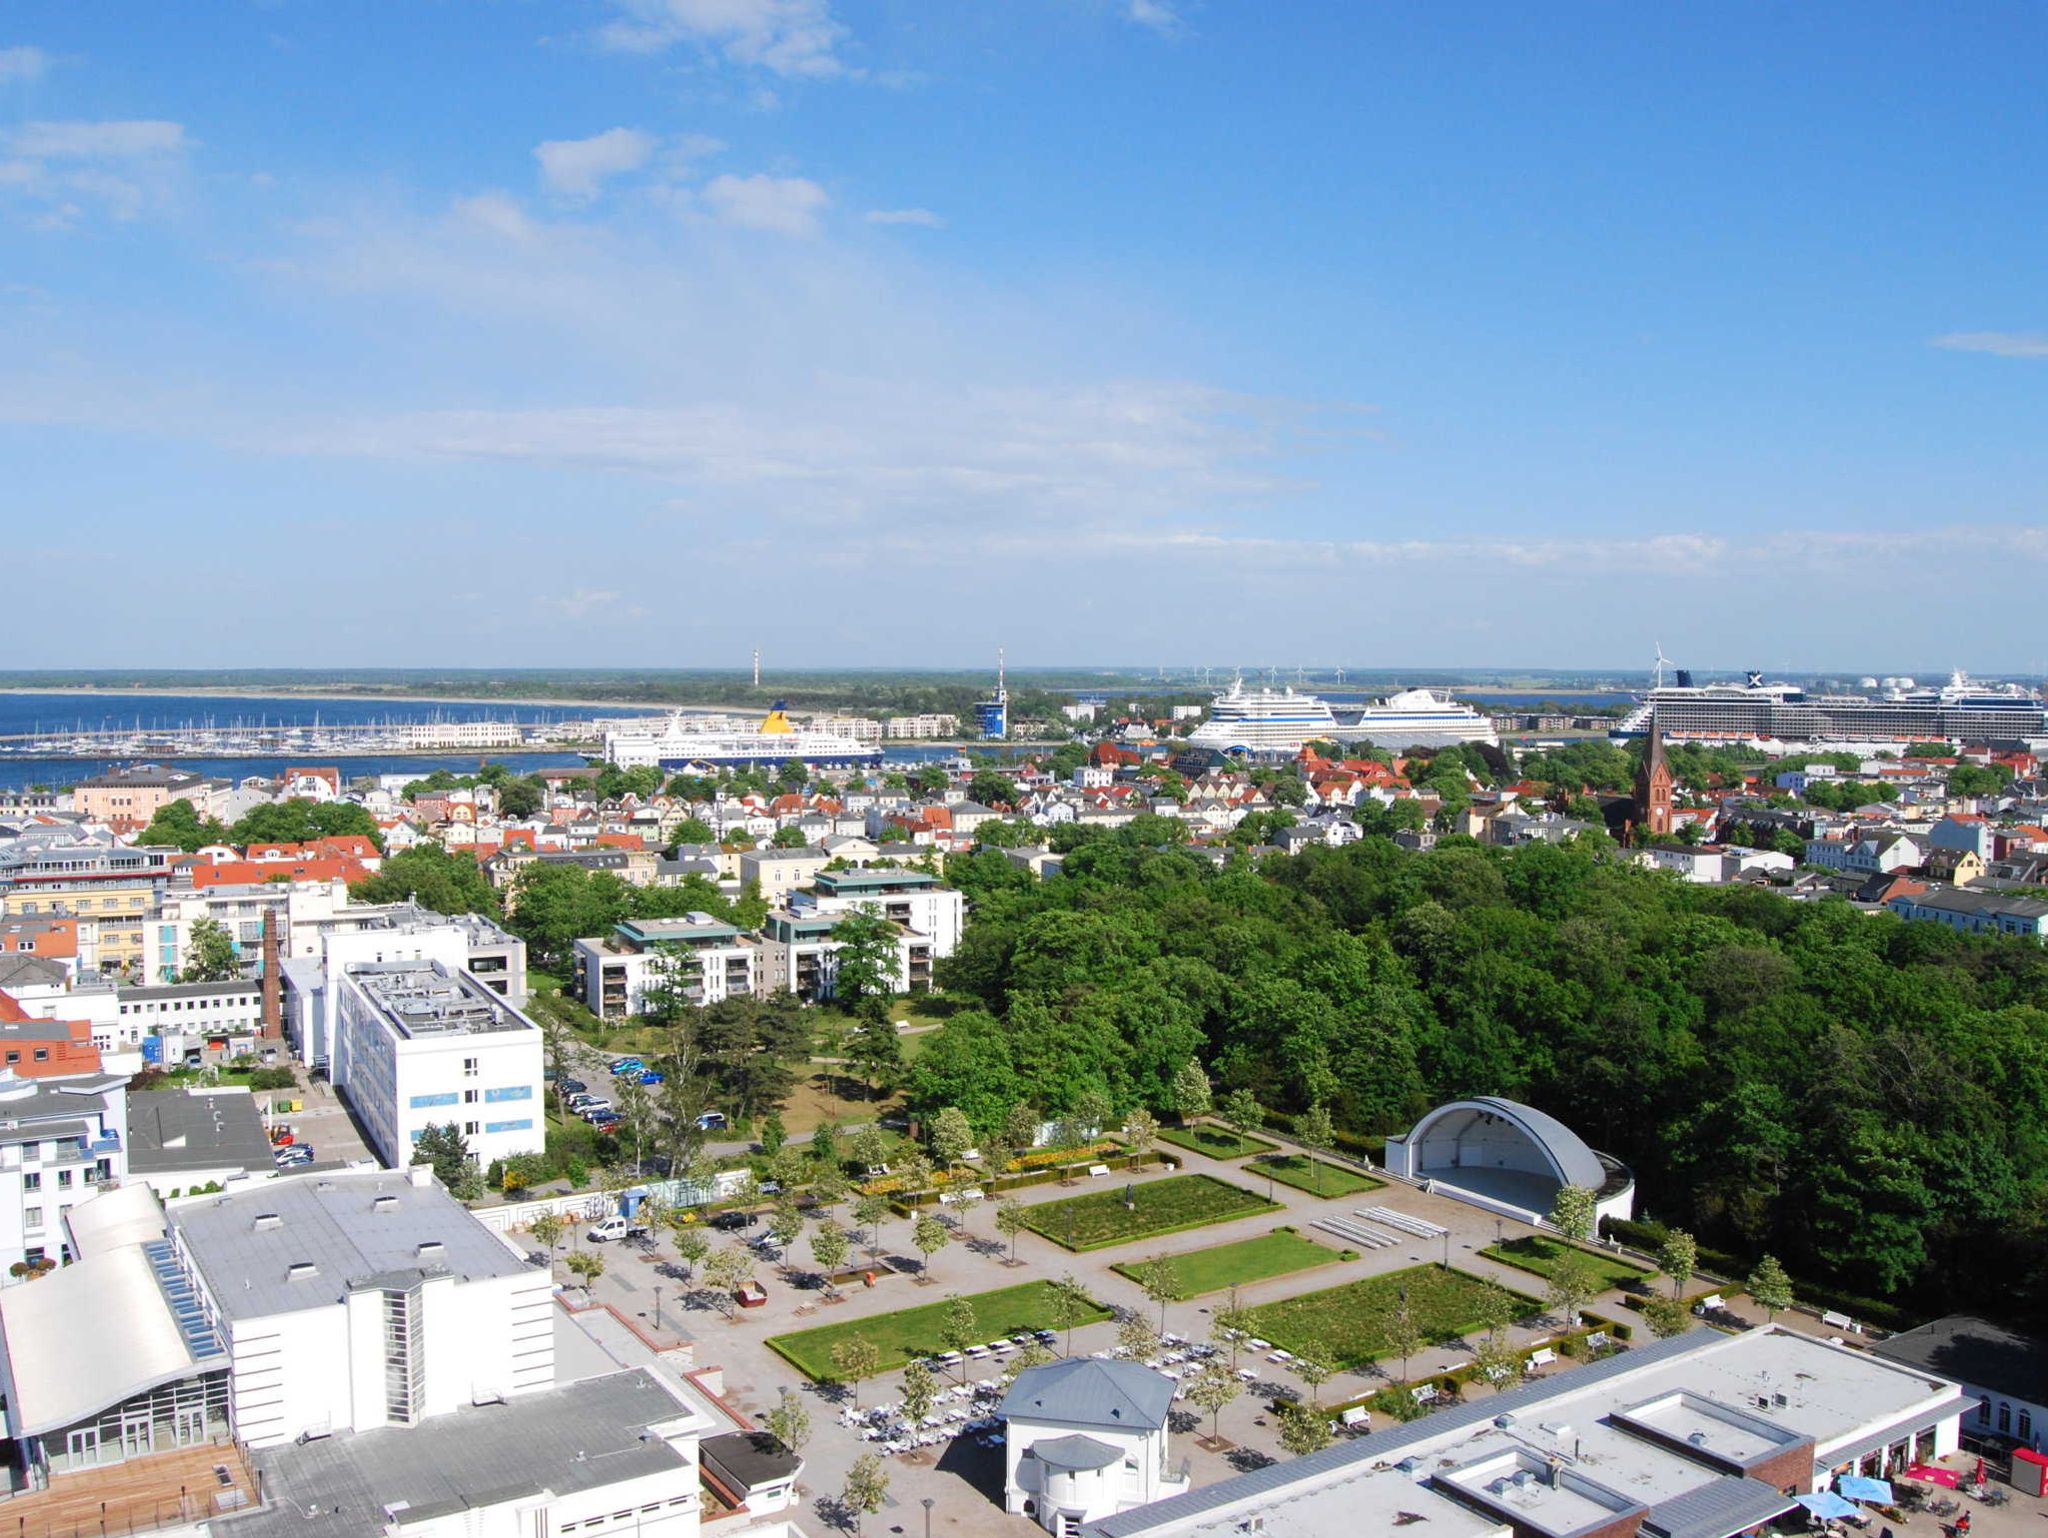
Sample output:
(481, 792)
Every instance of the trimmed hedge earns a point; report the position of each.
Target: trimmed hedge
(907, 1207)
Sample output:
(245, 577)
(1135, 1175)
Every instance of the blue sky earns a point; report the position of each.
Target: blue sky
(1181, 331)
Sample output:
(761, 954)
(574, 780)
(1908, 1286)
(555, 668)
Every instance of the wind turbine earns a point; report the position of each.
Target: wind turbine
(1663, 662)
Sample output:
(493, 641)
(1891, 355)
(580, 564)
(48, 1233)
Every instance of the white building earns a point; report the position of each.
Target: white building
(180, 1011)
(915, 899)
(1705, 1435)
(615, 973)
(420, 1044)
(60, 1140)
(1086, 1439)
(363, 1299)
(2004, 1371)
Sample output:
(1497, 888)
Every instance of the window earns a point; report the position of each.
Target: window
(2004, 1418)
(469, 1097)
(1983, 1412)
(2026, 1424)
(42, 1054)
(31, 1217)
(33, 1181)
(471, 1066)
(471, 1129)
(63, 1180)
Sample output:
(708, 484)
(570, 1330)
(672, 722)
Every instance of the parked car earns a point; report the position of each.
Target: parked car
(596, 1108)
(616, 1227)
(578, 1102)
(712, 1121)
(625, 1065)
(650, 1076)
(298, 1153)
(572, 1086)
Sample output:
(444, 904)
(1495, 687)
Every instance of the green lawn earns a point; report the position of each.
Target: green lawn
(1318, 1177)
(1352, 1324)
(1100, 1218)
(1540, 1254)
(1229, 1265)
(913, 1332)
(1217, 1142)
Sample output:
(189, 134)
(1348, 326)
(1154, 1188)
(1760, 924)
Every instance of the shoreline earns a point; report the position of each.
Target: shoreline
(222, 692)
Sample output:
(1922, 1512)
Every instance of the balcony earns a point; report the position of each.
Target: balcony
(170, 1489)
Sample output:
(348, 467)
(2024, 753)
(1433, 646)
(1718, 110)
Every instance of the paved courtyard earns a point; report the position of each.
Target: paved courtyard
(964, 1479)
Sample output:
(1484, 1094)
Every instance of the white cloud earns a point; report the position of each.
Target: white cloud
(1159, 15)
(123, 168)
(22, 63)
(923, 218)
(95, 141)
(792, 38)
(2001, 344)
(579, 168)
(787, 205)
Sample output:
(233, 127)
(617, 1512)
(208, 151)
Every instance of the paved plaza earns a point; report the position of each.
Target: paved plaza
(963, 1478)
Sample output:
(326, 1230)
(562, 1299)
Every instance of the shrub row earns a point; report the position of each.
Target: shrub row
(1816, 1295)
(906, 1206)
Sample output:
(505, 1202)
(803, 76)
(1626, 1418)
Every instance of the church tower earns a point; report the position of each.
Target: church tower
(1653, 787)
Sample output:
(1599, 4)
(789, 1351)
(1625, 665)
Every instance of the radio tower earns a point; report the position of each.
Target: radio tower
(757, 667)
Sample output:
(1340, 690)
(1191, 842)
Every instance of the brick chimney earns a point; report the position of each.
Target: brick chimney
(273, 980)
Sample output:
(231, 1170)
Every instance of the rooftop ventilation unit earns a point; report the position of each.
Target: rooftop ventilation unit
(300, 1269)
(430, 1248)
(267, 1220)
(384, 1204)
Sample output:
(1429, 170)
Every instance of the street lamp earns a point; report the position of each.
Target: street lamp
(1447, 1249)
(1496, 1231)
(657, 1308)
(927, 1517)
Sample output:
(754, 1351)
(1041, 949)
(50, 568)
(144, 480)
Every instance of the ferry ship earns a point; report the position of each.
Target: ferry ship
(1418, 718)
(1263, 721)
(1782, 714)
(680, 743)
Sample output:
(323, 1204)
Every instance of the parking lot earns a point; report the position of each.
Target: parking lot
(324, 1122)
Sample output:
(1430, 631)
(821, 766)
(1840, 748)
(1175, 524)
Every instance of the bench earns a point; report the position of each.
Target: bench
(1709, 1303)
(1597, 1339)
(947, 1198)
(1098, 1169)
(1835, 1321)
(1423, 1393)
(1542, 1358)
(1357, 1415)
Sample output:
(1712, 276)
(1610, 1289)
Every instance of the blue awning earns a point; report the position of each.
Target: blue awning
(1827, 1505)
(1859, 1488)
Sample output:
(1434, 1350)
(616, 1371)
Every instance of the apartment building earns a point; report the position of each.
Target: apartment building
(778, 872)
(179, 1013)
(126, 799)
(616, 973)
(423, 1043)
(1975, 912)
(119, 889)
(59, 1140)
(800, 954)
(916, 899)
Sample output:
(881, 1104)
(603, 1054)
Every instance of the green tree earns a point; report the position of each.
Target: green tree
(587, 1266)
(866, 1487)
(868, 961)
(855, 1357)
(790, 1423)
(919, 1391)
(868, 1213)
(1011, 1220)
(1404, 1332)
(1574, 1282)
(1316, 1130)
(951, 1136)
(788, 838)
(992, 788)
(1679, 1255)
(1498, 1363)
(1141, 1131)
(1666, 1316)
(1571, 1212)
(692, 1244)
(929, 1236)
(447, 1150)
(435, 878)
(1770, 1286)
(1136, 1337)
(1314, 1368)
(958, 1329)
(1068, 1305)
(210, 955)
(876, 1052)
(547, 1229)
(830, 1248)
(1192, 1096)
(1212, 1389)
(1241, 1112)
(178, 825)
(1230, 1327)
(726, 1272)
(1160, 1278)
(1303, 1430)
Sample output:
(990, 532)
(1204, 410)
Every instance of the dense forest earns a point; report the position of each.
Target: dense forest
(1860, 1096)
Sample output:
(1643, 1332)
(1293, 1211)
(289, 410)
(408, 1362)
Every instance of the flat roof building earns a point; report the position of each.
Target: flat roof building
(1704, 1435)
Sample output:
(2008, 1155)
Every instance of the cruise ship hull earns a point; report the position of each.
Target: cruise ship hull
(1768, 717)
(1398, 736)
(732, 755)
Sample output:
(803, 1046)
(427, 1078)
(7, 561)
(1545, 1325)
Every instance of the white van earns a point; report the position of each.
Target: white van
(616, 1227)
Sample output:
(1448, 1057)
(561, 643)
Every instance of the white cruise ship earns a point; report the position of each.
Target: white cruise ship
(1418, 718)
(1263, 721)
(680, 743)
(1785, 716)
